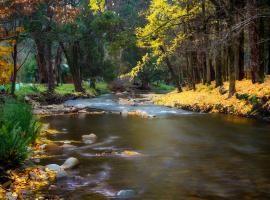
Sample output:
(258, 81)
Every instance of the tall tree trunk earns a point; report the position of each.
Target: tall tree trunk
(72, 55)
(239, 57)
(14, 75)
(41, 62)
(171, 70)
(231, 53)
(254, 41)
(262, 37)
(208, 70)
(57, 64)
(49, 67)
(217, 60)
(232, 88)
(268, 60)
(239, 52)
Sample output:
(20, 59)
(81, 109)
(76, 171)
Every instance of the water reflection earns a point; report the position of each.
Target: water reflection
(188, 157)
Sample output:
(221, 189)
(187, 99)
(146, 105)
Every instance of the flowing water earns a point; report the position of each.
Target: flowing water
(182, 155)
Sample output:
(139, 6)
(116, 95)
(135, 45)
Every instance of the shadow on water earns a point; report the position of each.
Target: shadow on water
(184, 156)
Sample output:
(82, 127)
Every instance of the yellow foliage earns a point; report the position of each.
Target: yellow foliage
(97, 5)
(206, 97)
(6, 68)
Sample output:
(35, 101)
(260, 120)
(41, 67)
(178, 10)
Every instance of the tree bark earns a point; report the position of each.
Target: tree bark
(57, 64)
(49, 67)
(173, 74)
(72, 55)
(239, 52)
(14, 75)
(254, 41)
(217, 61)
(232, 88)
(41, 63)
(231, 55)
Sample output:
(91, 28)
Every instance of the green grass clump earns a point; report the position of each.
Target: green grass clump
(18, 130)
(162, 87)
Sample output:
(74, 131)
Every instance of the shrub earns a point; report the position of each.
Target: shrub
(18, 130)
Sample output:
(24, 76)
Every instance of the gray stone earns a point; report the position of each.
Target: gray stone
(89, 139)
(53, 167)
(70, 163)
(61, 174)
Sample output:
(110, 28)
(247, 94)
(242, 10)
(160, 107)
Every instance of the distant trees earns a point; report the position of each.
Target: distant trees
(210, 39)
(196, 40)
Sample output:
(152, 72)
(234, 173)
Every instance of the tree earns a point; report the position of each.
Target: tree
(5, 64)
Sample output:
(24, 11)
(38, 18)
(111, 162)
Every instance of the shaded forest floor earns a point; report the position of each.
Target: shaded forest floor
(250, 100)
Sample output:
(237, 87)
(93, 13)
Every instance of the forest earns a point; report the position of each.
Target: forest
(84, 66)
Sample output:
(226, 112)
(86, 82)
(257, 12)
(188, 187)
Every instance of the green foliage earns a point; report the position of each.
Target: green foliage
(27, 72)
(18, 130)
(156, 86)
(101, 87)
(29, 89)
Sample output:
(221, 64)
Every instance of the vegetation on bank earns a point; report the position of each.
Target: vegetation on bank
(250, 99)
(61, 90)
(18, 131)
(19, 139)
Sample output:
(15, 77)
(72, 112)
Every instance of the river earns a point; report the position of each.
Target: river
(181, 155)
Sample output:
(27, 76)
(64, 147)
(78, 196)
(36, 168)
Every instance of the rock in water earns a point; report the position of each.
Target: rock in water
(130, 153)
(52, 147)
(70, 163)
(89, 139)
(61, 174)
(53, 167)
(126, 194)
(68, 146)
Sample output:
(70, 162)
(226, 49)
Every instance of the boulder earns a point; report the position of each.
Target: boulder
(53, 167)
(89, 139)
(70, 163)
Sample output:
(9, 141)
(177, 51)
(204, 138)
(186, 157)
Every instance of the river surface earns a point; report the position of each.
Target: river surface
(182, 155)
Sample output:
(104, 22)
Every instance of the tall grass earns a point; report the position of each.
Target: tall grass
(18, 130)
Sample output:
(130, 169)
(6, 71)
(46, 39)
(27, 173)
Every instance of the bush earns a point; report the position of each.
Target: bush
(18, 130)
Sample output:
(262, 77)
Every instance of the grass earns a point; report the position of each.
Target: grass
(159, 87)
(208, 98)
(28, 89)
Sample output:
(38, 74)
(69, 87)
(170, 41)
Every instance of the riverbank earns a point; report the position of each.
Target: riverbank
(250, 100)
(26, 181)
(44, 104)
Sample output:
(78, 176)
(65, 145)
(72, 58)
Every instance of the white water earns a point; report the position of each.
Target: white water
(107, 103)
